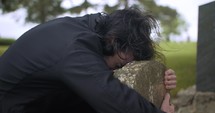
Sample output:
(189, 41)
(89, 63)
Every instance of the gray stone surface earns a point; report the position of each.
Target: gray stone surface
(146, 77)
(192, 101)
(204, 102)
(185, 97)
(206, 48)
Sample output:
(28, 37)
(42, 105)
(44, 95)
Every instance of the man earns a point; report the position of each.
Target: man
(65, 65)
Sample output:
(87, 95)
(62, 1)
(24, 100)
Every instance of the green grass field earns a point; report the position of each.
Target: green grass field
(3, 49)
(181, 57)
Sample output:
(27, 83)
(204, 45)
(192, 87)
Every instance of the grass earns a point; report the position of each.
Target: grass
(3, 49)
(181, 57)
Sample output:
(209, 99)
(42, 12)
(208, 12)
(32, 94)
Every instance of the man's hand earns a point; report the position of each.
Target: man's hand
(170, 79)
(166, 106)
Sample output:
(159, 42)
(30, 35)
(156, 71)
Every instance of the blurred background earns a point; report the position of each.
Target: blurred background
(178, 21)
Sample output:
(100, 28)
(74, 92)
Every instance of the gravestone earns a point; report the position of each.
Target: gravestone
(206, 48)
(201, 98)
(146, 77)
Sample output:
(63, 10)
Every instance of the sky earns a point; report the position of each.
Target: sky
(12, 25)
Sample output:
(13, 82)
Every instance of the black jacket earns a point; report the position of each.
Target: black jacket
(58, 67)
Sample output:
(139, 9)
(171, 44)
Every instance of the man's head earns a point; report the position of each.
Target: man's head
(126, 35)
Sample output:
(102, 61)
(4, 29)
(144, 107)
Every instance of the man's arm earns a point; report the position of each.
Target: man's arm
(86, 73)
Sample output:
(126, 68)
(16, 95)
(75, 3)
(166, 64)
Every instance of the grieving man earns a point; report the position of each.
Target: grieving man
(66, 65)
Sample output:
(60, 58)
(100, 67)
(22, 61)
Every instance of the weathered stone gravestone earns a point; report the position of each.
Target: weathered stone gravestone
(204, 100)
(146, 77)
(201, 98)
(206, 48)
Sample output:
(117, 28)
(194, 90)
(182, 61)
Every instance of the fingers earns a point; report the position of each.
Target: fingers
(166, 106)
(170, 75)
(169, 71)
(170, 79)
(166, 99)
(170, 84)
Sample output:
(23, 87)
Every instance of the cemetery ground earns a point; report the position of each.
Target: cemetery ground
(181, 57)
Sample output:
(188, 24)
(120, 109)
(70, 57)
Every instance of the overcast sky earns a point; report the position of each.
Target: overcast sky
(12, 25)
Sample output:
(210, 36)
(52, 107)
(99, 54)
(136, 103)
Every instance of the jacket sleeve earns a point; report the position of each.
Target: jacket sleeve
(87, 74)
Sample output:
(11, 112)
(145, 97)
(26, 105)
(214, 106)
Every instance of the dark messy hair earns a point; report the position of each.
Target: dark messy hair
(129, 30)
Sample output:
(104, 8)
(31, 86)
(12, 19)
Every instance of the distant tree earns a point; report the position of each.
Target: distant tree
(170, 20)
(82, 7)
(40, 11)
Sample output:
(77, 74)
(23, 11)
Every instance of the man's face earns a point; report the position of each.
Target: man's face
(118, 60)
